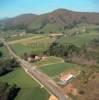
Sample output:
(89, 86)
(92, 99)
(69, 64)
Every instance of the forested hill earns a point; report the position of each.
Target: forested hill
(56, 21)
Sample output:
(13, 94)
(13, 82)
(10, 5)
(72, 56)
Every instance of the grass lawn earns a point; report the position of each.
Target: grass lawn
(30, 90)
(56, 69)
(50, 60)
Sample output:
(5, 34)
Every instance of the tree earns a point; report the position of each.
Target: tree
(1, 54)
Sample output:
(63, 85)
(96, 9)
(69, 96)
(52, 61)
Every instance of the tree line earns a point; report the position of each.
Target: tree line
(62, 50)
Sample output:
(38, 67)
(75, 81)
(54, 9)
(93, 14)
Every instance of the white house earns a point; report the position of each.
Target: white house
(66, 79)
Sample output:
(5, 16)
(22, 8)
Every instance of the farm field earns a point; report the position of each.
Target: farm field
(29, 88)
(25, 38)
(49, 61)
(78, 40)
(56, 69)
(20, 37)
(36, 45)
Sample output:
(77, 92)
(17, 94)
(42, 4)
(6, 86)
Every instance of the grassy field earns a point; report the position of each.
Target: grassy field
(78, 40)
(49, 61)
(56, 69)
(21, 49)
(30, 90)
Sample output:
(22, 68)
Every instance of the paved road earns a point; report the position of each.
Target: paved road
(41, 78)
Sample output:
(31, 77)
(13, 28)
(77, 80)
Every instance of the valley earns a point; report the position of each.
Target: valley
(49, 49)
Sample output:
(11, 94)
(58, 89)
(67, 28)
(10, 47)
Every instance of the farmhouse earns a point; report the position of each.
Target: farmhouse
(33, 58)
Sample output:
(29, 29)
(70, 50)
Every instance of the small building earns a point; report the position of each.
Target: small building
(66, 79)
(13, 35)
(22, 34)
(33, 58)
(37, 58)
(30, 59)
(44, 57)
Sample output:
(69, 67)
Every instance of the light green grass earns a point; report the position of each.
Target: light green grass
(27, 39)
(21, 37)
(56, 69)
(49, 60)
(21, 49)
(30, 90)
(36, 46)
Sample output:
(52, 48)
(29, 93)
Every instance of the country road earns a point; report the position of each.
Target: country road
(41, 77)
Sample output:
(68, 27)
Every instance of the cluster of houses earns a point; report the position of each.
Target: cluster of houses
(34, 58)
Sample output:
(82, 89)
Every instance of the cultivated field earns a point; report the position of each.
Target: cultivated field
(36, 45)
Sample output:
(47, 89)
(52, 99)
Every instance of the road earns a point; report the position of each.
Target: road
(39, 76)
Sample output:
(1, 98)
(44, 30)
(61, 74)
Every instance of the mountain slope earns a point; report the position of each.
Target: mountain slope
(24, 19)
(56, 21)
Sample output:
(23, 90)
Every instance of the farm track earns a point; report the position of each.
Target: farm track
(25, 39)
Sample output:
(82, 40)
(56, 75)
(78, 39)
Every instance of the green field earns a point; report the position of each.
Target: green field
(78, 40)
(56, 69)
(21, 49)
(30, 90)
(35, 45)
(49, 61)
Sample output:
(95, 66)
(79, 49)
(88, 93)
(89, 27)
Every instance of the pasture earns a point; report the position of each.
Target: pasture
(30, 90)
